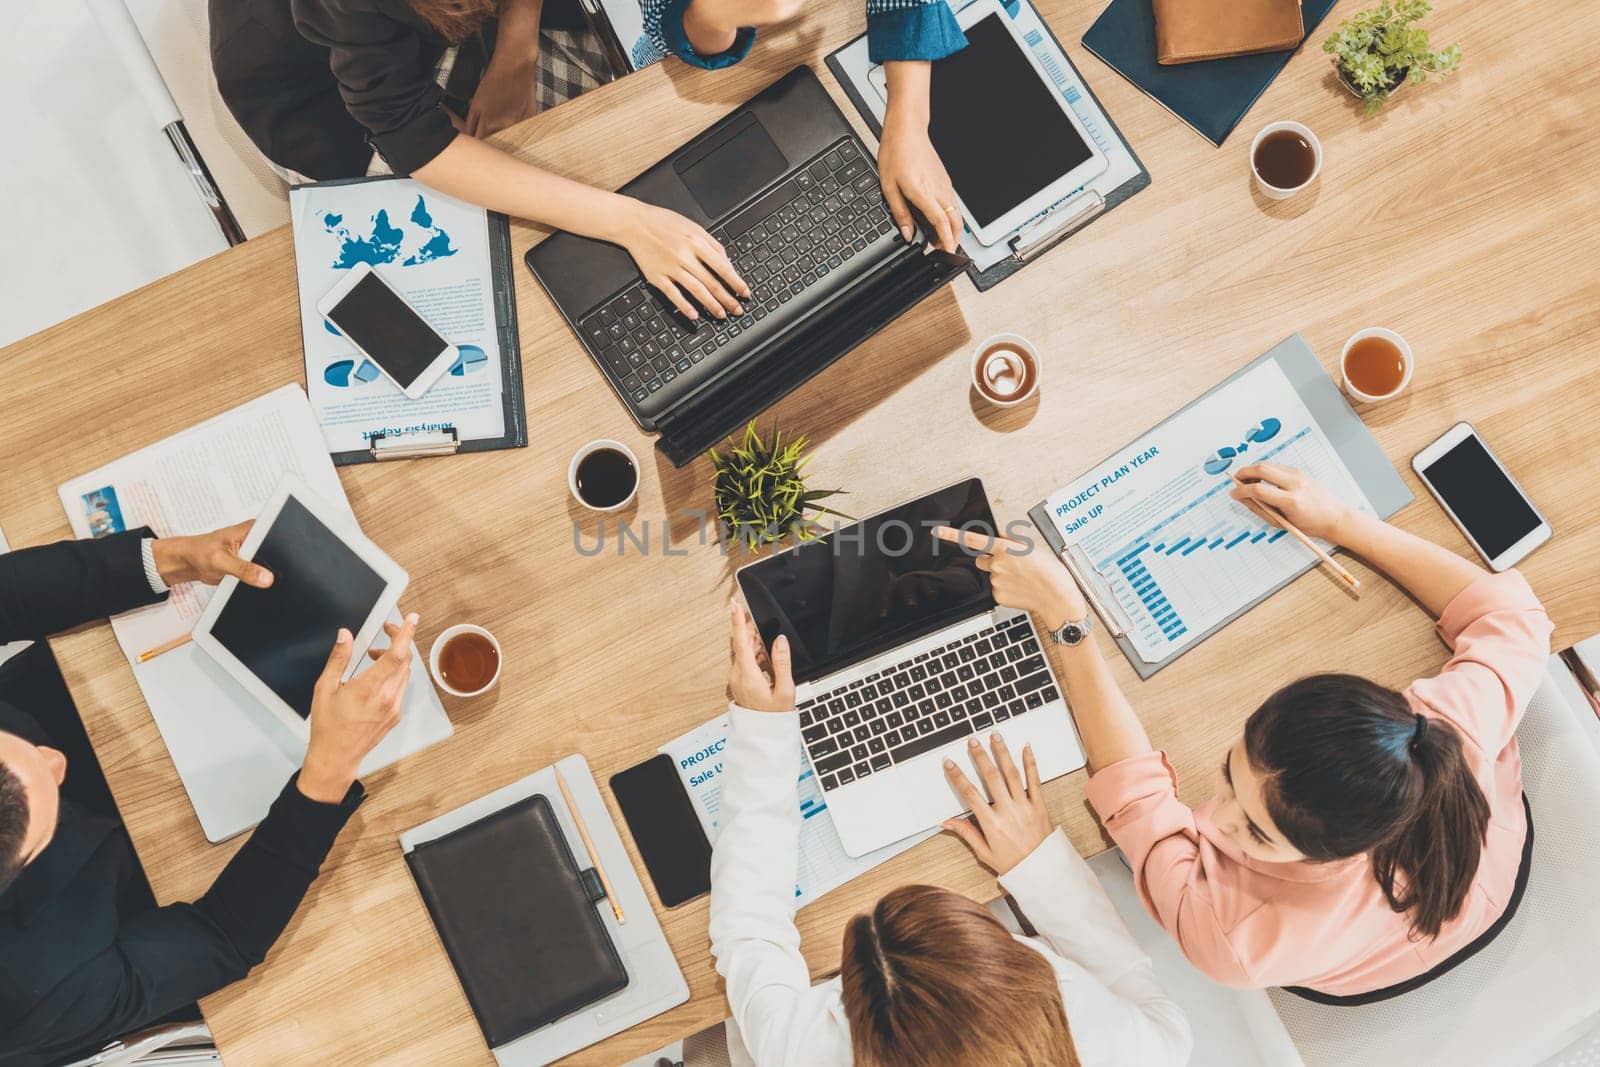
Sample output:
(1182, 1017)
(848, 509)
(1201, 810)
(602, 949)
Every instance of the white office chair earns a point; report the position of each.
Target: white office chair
(165, 47)
(1535, 990)
(177, 1045)
(1232, 1027)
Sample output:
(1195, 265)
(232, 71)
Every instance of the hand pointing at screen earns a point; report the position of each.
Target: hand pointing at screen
(1023, 576)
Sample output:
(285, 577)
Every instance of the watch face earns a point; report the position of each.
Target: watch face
(1072, 633)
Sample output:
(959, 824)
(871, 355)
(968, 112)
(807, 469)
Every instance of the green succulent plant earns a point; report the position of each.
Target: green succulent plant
(1377, 49)
(761, 492)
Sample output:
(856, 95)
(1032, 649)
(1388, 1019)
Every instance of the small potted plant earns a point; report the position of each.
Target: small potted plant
(1378, 50)
(761, 492)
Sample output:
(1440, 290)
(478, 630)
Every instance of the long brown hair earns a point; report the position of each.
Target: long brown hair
(931, 978)
(456, 20)
(1347, 767)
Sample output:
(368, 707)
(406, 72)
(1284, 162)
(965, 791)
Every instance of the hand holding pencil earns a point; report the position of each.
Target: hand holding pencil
(1291, 499)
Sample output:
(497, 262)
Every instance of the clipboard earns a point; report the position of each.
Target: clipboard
(1061, 220)
(655, 982)
(1360, 451)
(445, 441)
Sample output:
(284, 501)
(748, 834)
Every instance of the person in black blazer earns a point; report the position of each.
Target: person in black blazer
(85, 954)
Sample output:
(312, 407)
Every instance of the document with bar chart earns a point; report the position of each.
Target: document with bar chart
(1168, 552)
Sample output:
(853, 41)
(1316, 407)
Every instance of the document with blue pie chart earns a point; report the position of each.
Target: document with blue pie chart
(1154, 530)
(435, 251)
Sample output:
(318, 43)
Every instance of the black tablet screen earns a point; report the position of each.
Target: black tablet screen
(285, 632)
(996, 125)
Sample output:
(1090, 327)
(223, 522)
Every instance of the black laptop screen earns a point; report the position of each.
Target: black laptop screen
(872, 585)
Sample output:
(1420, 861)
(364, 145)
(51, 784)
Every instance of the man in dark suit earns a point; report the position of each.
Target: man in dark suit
(85, 953)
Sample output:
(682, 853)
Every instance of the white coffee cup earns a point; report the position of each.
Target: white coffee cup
(596, 446)
(1303, 130)
(444, 639)
(989, 380)
(1405, 357)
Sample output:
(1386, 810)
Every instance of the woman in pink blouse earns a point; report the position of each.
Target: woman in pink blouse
(1361, 841)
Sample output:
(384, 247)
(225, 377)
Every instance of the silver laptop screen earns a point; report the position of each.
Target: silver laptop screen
(871, 585)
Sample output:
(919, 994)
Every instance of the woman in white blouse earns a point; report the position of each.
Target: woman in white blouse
(928, 977)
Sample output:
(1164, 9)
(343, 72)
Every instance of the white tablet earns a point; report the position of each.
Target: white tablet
(326, 575)
(1010, 141)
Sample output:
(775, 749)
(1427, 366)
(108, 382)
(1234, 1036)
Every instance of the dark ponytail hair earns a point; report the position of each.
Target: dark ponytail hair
(1347, 767)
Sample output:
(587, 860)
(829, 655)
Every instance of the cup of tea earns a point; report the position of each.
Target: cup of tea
(1375, 365)
(604, 476)
(1005, 370)
(1285, 158)
(465, 660)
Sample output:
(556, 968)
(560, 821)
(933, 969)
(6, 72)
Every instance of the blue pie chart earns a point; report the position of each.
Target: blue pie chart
(343, 373)
(1220, 460)
(472, 360)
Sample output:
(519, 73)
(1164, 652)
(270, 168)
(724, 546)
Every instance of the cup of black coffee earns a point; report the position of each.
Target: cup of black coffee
(1005, 369)
(1285, 158)
(604, 476)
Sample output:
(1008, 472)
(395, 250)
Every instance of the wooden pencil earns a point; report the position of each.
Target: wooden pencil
(1276, 518)
(167, 646)
(588, 844)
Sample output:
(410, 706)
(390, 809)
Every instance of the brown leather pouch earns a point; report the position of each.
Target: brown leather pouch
(1191, 30)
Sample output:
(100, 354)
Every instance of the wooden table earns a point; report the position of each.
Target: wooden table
(1464, 216)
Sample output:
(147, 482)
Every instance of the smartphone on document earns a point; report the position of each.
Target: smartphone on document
(665, 826)
(1481, 497)
(377, 320)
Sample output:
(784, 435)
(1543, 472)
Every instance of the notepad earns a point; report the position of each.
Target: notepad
(518, 919)
(1211, 96)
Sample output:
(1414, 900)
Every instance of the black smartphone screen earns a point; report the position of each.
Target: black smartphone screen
(664, 825)
(375, 317)
(1488, 503)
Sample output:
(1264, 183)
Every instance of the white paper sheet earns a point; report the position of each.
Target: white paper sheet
(213, 475)
(824, 864)
(1156, 529)
(434, 250)
(868, 79)
(232, 754)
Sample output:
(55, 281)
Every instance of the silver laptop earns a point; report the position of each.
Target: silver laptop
(900, 656)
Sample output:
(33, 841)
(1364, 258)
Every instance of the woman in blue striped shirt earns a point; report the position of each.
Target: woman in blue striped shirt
(906, 36)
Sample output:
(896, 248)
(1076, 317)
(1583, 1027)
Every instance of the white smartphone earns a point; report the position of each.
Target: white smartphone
(1481, 497)
(377, 320)
(326, 575)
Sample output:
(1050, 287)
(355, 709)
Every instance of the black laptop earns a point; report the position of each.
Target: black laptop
(792, 194)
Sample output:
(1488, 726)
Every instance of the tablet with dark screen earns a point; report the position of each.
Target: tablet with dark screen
(1011, 144)
(325, 576)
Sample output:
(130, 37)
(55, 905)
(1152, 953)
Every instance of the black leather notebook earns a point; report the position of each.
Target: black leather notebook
(518, 919)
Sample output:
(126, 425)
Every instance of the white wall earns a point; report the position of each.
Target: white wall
(93, 202)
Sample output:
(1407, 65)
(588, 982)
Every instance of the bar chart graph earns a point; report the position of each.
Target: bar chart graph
(1202, 556)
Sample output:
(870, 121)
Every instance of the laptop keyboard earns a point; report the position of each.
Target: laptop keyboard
(926, 702)
(795, 235)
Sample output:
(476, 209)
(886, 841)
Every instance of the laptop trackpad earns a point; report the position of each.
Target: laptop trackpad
(730, 165)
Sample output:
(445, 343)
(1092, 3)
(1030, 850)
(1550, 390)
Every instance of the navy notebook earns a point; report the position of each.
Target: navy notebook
(1212, 95)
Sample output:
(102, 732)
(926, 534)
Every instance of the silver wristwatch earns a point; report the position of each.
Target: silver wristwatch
(1073, 633)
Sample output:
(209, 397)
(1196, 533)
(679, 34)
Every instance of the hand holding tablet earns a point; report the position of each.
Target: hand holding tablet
(208, 558)
(327, 578)
(348, 719)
